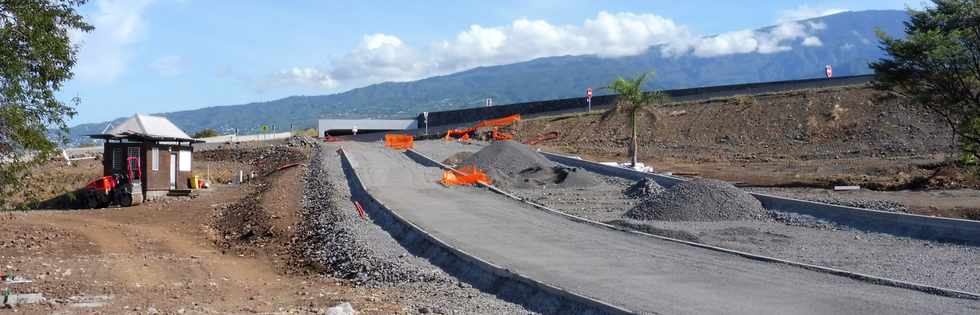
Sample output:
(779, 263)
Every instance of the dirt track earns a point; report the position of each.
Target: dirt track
(167, 256)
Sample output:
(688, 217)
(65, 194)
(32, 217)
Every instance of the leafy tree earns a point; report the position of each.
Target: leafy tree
(205, 133)
(937, 66)
(631, 98)
(36, 57)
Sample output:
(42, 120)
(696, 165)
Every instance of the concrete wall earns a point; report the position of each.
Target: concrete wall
(552, 107)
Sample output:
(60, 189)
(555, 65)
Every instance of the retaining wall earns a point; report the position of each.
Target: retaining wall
(568, 105)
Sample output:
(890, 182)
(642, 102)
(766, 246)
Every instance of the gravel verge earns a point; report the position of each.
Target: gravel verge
(341, 243)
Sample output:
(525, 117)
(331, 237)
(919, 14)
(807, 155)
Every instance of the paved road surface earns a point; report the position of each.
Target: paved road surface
(638, 273)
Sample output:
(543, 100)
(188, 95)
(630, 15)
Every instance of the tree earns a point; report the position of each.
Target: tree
(205, 133)
(632, 99)
(36, 57)
(937, 66)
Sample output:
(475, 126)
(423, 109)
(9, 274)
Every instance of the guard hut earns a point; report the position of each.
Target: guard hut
(163, 150)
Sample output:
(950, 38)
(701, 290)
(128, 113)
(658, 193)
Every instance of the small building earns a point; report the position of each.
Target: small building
(164, 152)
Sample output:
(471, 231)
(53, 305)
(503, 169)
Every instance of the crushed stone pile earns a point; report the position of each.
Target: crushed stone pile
(643, 188)
(699, 200)
(513, 164)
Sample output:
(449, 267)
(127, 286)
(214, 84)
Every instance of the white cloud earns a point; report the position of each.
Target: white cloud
(385, 57)
(168, 66)
(805, 12)
(309, 77)
(104, 54)
(812, 41)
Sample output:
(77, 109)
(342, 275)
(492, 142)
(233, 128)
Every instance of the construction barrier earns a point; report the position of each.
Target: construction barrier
(498, 122)
(399, 142)
(466, 175)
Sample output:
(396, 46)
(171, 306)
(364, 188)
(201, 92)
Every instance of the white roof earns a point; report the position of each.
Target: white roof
(149, 125)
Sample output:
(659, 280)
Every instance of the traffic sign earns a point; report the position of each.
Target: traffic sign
(829, 70)
(588, 93)
(588, 98)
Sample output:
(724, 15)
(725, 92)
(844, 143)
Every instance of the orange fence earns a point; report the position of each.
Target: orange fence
(498, 122)
(495, 123)
(399, 142)
(466, 175)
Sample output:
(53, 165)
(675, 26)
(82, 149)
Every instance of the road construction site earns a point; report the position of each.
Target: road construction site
(587, 267)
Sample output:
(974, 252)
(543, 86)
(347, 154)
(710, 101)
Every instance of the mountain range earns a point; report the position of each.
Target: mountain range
(847, 42)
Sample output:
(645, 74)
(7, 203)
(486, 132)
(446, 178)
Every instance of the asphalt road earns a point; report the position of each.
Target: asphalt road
(642, 274)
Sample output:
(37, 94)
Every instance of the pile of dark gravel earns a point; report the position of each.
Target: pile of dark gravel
(699, 200)
(643, 188)
(515, 165)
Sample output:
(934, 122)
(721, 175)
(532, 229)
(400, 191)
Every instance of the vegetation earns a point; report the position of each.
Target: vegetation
(937, 66)
(310, 132)
(36, 57)
(205, 133)
(632, 99)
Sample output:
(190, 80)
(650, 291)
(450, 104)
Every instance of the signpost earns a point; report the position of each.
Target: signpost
(588, 98)
(425, 116)
(489, 102)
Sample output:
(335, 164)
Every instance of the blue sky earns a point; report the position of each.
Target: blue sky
(154, 56)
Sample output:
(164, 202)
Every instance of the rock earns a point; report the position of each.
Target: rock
(341, 309)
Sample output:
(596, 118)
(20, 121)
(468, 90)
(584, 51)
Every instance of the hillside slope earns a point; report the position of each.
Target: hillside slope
(848, 43)
(850, 135)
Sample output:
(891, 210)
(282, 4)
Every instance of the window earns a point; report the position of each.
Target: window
(156, 159)
(117, 159)
(185, 161)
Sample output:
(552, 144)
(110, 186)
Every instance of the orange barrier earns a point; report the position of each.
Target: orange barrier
(466, 175)
(399, 142)
(498, 122)
(501, 136)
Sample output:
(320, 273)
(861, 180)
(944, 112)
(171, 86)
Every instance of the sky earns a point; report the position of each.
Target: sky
(152, 56)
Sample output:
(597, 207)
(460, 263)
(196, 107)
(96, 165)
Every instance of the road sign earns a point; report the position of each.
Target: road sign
(489, 102)
(588, 98)
(829, 70)
(425, 115)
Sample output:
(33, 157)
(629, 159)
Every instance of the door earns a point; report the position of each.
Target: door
(173, 170)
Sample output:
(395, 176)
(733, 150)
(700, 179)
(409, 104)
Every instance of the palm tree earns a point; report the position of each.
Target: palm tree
(632, 99)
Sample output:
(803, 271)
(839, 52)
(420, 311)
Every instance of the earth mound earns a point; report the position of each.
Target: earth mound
(513, 164)
(699, 200)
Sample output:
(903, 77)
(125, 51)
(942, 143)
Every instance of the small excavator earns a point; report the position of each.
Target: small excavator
(123, 189)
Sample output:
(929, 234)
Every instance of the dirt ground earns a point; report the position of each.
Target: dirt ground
(177, 256)
(811, 138)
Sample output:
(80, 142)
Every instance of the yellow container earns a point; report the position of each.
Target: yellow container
(193, 182)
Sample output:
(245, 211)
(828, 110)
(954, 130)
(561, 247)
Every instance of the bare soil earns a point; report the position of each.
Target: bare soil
(179, 255)
(809, 138)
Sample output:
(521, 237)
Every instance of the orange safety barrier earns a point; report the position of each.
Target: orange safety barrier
(399, 142)
(466, 175)
(465, 137)
(498, 122)
(501, 136)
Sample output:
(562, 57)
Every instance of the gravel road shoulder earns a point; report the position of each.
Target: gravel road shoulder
(347, 246)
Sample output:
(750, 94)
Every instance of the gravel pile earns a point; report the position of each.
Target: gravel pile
(699, 200)
(515, 165)
(337, 241)
(643, 188)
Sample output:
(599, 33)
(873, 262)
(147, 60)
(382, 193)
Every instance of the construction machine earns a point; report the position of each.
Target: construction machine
(122, 189)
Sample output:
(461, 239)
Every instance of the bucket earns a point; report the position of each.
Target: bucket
(193, 182)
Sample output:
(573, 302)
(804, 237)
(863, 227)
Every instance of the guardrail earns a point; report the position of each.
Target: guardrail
(899, 224)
